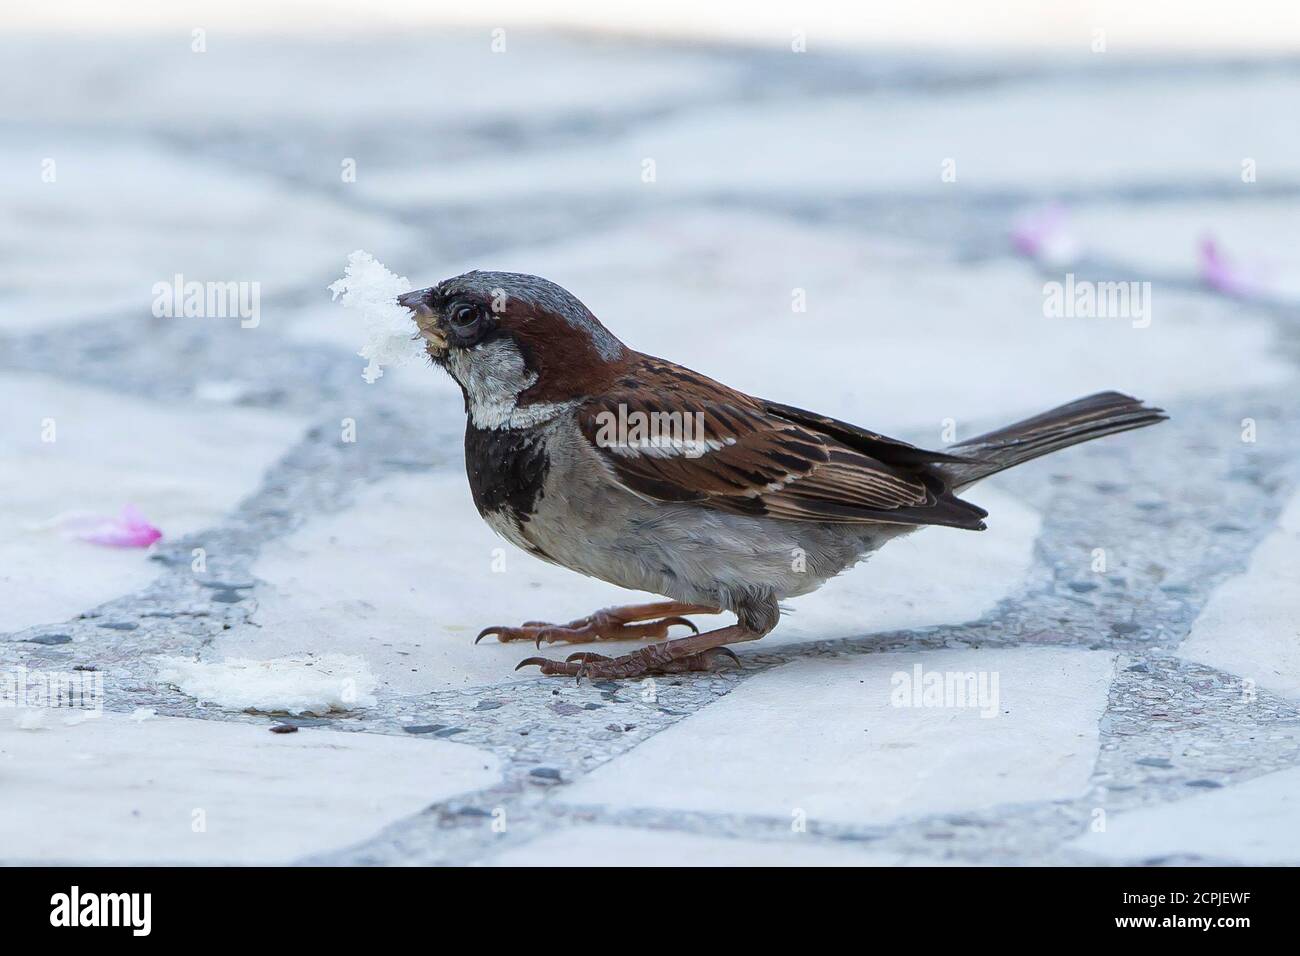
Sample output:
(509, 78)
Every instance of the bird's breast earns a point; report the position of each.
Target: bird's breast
(507, 469)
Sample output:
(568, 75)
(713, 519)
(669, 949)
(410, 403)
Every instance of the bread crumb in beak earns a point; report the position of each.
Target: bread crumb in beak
(369, 288)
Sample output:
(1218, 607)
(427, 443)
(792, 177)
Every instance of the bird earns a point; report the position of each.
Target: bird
(645, 474)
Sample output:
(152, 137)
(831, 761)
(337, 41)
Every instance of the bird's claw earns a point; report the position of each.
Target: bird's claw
(639, 663)
(586, 656)
(727, 653)
(601, 626)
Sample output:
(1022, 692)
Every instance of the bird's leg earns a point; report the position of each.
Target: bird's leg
(702, 652)
(611, 624)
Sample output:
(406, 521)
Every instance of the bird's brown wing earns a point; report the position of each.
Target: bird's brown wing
(892, 451)
(670, 434)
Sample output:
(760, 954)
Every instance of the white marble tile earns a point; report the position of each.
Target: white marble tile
(823, 736)
(121, 216)
(933, 577)
(600, 845)
(405, 578)
(1010, 137)
(423, 82)
(1251, 624)
(114, 790)
(1251, 823)
(183, 467)
(1257, 235)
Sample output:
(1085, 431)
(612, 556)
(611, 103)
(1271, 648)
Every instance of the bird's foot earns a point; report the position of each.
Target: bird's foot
(611, 624)
(648, 660)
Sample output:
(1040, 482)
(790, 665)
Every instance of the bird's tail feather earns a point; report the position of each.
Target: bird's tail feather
(1102, 414)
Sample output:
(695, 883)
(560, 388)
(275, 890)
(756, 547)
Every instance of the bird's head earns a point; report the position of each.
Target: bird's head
(512, 340)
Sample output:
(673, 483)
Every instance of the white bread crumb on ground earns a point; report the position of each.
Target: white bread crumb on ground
(295, 685)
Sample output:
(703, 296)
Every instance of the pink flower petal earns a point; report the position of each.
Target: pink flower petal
(1224, 275)
(1044, 233)
(128, 530)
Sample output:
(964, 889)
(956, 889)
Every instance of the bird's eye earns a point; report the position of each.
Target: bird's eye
(464, 317)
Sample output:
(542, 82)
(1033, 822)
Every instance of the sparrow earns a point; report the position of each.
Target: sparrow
(645, 474)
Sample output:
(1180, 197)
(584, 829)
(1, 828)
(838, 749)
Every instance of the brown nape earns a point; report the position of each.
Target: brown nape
(568, 363)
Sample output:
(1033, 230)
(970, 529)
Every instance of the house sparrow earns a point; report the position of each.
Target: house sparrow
(645, 474)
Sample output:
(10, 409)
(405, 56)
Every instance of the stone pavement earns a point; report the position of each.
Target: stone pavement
(1131, 619)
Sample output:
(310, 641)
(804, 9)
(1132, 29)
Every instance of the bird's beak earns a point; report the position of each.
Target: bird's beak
(425, 318)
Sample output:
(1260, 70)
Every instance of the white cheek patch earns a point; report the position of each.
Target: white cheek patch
(494, 375)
